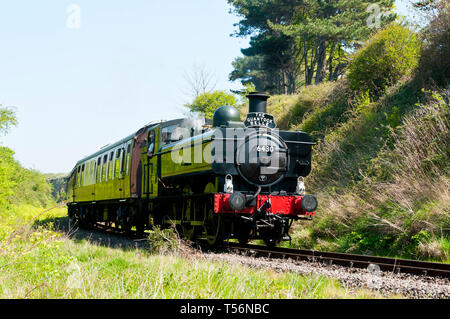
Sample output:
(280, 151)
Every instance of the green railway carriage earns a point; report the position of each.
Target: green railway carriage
(104, 175)
(211, 179)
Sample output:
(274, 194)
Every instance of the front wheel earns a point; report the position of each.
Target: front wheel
(243, 233)
(188, 231)
(271, 242)
(212, 227)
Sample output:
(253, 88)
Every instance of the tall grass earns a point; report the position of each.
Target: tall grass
(385, 180)
(39, 262)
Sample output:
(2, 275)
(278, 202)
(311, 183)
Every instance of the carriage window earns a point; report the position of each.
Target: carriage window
(88, 173)
(122, 166)
(78, 179)
(117, 163)
(105, 159)
(98, 172)
(79, 176)
(85, 173)
(92, 172)
(82, 176)
(127, 159)
(110, 165)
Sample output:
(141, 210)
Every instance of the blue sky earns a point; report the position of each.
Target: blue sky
(76, 90)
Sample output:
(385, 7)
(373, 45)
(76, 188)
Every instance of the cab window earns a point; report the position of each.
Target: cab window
(171, 134)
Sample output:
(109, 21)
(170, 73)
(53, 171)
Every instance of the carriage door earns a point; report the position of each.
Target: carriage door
(149, 187)
(137, 164)
(118, 175)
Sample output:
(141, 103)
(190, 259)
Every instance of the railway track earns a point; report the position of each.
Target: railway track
(374, 263)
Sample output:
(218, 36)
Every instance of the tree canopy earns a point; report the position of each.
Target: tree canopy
(7, 119)
(298, 42)
(206, 103)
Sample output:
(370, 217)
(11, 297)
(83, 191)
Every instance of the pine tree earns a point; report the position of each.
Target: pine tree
(313, 37)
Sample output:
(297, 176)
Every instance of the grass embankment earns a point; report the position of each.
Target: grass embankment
(380, 169)
(37, 262)
(381, 166)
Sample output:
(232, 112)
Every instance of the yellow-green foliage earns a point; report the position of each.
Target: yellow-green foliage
(207, 103)
(315, 109)
(7, 119)
(7, 167)
(281, 107)
(163, 241)
(19, 185)
(389, 55)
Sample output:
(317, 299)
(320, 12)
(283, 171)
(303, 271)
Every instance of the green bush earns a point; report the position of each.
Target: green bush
(7, 168)
(163, 241)
(206, 103)
(389, 55)
(19, 185)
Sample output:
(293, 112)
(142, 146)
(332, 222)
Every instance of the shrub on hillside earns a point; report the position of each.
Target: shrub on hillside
(206, 103)
(7, 168)
(389, 55)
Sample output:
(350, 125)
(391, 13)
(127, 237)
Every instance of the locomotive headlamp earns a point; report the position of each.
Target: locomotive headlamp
(300, 186)
(237, 201)
(309, 203)
(228, 186)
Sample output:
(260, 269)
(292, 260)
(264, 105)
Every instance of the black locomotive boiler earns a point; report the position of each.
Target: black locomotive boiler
(215, 181)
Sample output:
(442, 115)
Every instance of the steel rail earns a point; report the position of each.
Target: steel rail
(395, 265)
(101, 227)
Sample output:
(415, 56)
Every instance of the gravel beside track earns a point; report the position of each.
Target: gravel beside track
(411, 286)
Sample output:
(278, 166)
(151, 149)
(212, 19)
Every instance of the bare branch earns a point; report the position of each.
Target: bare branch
(199, 80)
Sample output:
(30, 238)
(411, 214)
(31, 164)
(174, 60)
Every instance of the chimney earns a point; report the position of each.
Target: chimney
(258, 102)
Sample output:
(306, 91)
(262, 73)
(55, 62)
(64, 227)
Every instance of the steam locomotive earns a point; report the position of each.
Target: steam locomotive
(214, 180)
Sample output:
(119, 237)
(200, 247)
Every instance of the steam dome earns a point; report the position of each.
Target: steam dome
(224, 114)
